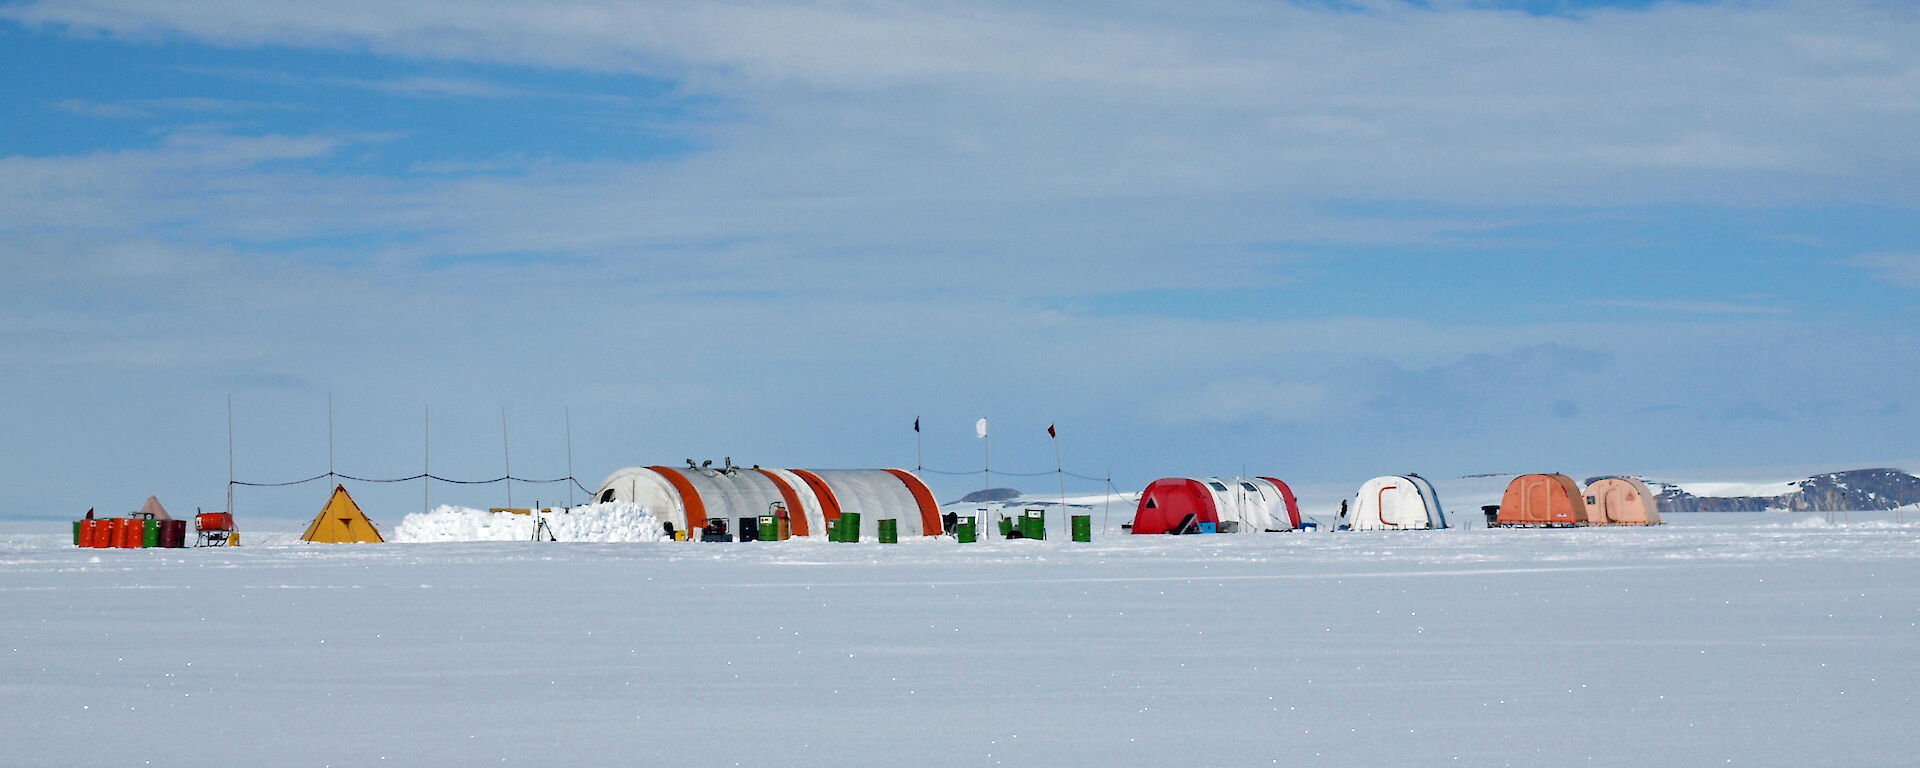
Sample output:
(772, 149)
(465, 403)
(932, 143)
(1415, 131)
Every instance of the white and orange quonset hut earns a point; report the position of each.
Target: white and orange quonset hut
(687, 496)
(1621, 501)
(1542, 500)
(1233, 505)
(1396, 503)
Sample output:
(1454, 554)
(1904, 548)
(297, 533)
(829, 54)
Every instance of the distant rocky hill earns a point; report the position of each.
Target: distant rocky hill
(991, 494)
(1852, 490)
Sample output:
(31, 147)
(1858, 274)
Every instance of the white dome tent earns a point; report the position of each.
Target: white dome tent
(1396, 502)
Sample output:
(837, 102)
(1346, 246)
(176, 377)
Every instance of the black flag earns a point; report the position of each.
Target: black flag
(916, 423)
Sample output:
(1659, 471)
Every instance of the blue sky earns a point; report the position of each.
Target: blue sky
(1316, 240)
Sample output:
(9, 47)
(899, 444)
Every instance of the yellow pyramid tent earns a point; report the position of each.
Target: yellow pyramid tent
(341, 522)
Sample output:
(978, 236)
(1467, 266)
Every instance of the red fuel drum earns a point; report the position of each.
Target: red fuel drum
(102, 534)
(173, 533)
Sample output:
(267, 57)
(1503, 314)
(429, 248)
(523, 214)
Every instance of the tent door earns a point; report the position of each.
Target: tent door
(1616, 498)
(1539, 501)
(1380, 505)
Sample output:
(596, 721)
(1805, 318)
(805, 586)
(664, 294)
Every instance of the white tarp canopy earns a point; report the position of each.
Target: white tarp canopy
(1254, 504)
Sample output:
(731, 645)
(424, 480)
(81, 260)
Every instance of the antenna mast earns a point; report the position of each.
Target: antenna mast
(568, 412)
(426, 458)
(507, 453)
(229, 453)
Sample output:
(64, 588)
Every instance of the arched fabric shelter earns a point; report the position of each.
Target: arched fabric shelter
(1292, 504)
(1621, 501)
(1542, 499)
(687, 496)
(1396, 502)
(1233, 505)
(1435, 512)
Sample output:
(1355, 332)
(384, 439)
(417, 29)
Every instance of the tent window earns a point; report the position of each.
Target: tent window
(1217, 486)
(1151, 504)
(1249, 487)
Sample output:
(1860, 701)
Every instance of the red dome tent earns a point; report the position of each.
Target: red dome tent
(1168, 501)
(1231, 504)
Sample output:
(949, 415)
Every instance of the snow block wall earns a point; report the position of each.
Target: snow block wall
(611, 521)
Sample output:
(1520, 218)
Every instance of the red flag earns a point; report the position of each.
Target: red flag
(1050, 431)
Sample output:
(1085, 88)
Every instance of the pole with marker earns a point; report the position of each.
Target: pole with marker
(1061, 470)
(986, 493)
(426, 458)
(1106, 504)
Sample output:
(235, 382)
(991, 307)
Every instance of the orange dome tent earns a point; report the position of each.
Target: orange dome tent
(1622, 501)
(1542, 500)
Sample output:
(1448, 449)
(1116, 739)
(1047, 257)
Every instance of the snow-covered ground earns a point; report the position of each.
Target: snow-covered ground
(1766, 639)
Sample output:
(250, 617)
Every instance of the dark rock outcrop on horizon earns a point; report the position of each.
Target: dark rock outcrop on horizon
(990, 494)
(1853, 490)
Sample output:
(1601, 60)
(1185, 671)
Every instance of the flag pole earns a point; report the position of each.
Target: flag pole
(1106, 504)
(918, 459)
(1060, 469)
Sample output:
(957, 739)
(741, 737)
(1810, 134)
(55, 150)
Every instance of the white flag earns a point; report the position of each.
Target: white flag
(980, 427)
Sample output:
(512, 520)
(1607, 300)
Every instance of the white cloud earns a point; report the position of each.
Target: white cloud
(1711, 104)
(150, 108)
(1697, 307)
(1896, 267)
(960, 145)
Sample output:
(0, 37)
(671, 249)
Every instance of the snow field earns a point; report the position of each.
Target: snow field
(1772, 639)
